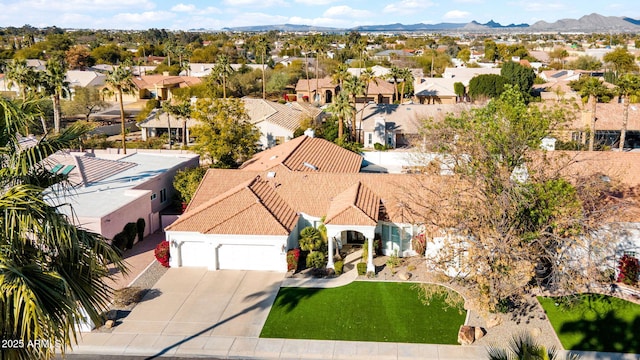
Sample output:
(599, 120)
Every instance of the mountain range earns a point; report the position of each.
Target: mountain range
(587, 23)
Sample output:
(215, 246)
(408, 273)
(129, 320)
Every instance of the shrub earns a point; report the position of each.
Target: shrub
(162, 253)
(362, 268)
(629, 270)
(310, 239)
(338, 267)
(419, 244)
(127, 296)
(316, 259)
(379, 147)
(130, 232)
(119, 241)
(293, 256)
(140, 225)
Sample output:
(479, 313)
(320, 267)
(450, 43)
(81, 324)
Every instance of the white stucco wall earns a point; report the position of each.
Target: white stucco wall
(250, 252)
(269, 132)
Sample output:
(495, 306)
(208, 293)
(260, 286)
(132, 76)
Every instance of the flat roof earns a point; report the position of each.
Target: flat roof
(103, 197)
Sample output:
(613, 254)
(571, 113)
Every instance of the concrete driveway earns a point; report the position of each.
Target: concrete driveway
(200, 303)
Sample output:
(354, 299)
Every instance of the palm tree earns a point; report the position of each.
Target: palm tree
(305, 45)
(592, 88)
(50, 271)
(121, 81)
(354, 86)
(395, 74)
(223, 69)
(318, 46)
(406, 76)
(523, 347)
(262, 46)
(182, 111)
(18, 73)
(340, 74)
(341, 108)
(367, 76)
(628, 84)
(53, 81)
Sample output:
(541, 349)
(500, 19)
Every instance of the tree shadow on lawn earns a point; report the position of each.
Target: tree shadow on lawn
(288, 298)
(607, 333)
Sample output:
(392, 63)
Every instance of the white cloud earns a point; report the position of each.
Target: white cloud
(183, 8)
(456, 14)
(255, 3)
(315, 2)
(539, 6)
(346, 11)
(469, 1)
(407, 6)
(149, 17)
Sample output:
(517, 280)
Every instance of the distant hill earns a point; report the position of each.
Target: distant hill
(283, 27)
(587, 23)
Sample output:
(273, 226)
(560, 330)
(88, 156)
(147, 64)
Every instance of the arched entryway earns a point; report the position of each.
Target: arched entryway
(328, 96)
(349, 235)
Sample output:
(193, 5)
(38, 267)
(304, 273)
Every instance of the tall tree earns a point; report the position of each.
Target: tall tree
(20, 74)
(518, 75)
(182, 111)
(623, 61)
(225, 137)
(628, 84)
(394, 74)
(342, 109)
(50, 270)
(508, 216)
(54, 82)
(354, 86)
(85, 101)
(318, 46)
(407, 78)
(223, 70)
(120, 80)
(592, 89)
(340, 75)
(368, 77)
(262, 47)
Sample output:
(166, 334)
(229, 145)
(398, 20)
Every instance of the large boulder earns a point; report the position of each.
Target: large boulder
(404, 275)
(466, 335)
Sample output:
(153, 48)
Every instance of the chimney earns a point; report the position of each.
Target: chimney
(310, 133)
(165, 73)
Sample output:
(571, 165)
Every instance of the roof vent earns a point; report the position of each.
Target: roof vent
(310, 166)
(273, 157)
(271, 174)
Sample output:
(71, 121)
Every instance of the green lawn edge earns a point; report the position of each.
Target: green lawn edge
(596, 323)
(362, 311)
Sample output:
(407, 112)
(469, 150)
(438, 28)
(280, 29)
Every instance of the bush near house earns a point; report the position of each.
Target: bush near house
(338, 266)
(140, 225)
(419, 244)
(130, 232)
(316, 259)
(362, 268)
(119, 241)
(162, 253)
(629, 270)
(293, 256)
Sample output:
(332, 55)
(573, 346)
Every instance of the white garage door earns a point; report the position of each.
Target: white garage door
(248, 257)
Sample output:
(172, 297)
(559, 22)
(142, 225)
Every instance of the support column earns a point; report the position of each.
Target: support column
(330, 255)
(370, 267)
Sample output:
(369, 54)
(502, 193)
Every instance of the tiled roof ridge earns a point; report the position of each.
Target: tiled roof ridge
(352, 193)
(252, 188)
(305, 139)
(227, 194)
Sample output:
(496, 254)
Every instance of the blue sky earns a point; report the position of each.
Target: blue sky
(191, 14)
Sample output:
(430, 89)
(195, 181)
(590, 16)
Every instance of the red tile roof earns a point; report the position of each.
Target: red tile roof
(306, 154)
(251, 208)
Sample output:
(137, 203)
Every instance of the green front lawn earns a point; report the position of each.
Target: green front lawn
(595, 323)
(362, 311)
